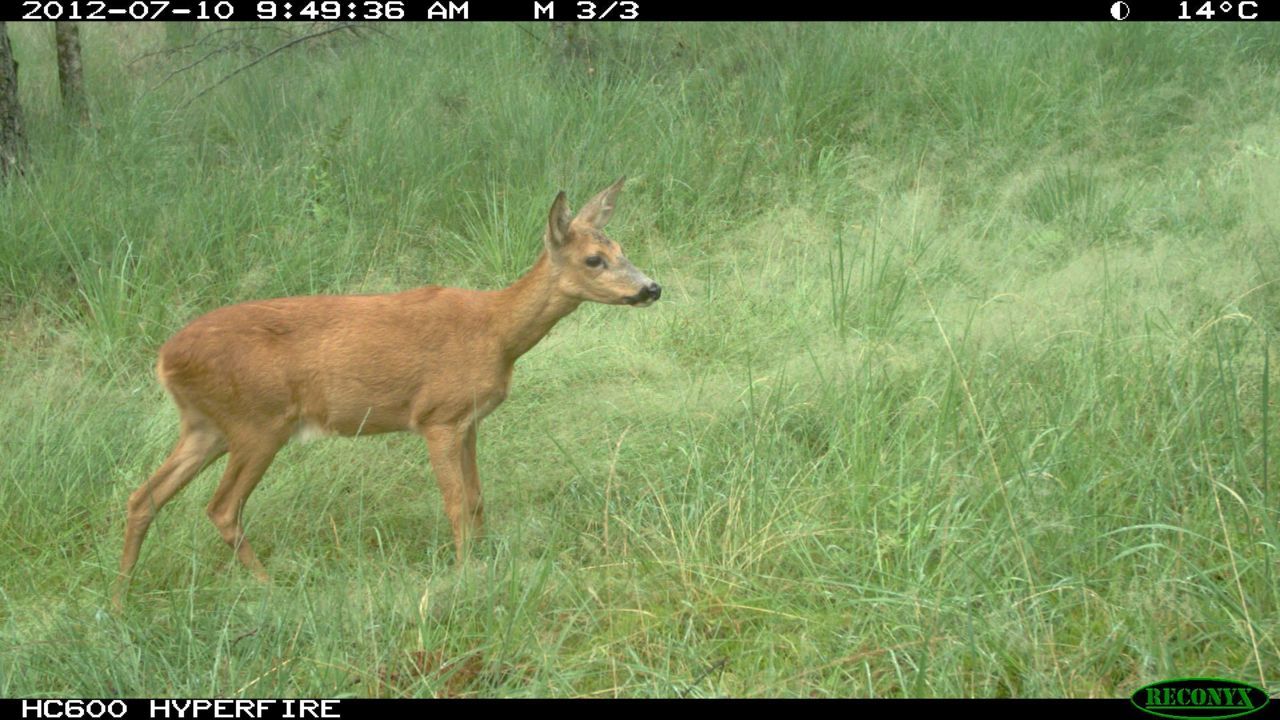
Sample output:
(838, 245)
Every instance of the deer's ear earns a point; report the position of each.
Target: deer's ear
(558, 223)
(597, 212)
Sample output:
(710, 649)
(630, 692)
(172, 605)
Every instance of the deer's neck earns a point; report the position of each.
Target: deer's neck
(527, 310)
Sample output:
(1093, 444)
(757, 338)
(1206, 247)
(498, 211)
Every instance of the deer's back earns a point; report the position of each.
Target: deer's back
(337, 364)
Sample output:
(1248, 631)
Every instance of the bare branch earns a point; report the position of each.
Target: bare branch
(208, 37)
(188, 66)
(276, 51)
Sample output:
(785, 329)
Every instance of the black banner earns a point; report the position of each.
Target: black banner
(359, 709)
(1187, 11)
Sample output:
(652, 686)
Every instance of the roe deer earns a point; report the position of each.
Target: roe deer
(433, 360)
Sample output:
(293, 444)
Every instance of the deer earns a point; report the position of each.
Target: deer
(248, 378)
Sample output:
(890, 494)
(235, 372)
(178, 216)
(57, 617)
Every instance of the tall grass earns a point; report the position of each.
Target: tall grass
(960, 384)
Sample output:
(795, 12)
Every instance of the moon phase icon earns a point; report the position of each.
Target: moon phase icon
(1119, 10)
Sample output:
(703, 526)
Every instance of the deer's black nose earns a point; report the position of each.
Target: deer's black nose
(653, 291)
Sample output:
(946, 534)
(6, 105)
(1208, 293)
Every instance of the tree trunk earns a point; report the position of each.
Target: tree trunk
(70, 72)
(13, 141)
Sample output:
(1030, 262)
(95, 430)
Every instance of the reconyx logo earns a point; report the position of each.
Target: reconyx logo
(1199, 698)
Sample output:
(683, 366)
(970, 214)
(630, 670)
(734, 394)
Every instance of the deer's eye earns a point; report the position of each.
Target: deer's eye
(595, 261)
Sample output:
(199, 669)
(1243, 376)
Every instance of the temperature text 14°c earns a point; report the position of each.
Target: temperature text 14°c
(1244, 9)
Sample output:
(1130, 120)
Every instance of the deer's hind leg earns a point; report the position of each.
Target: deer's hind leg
(200, 442)
(249, 457)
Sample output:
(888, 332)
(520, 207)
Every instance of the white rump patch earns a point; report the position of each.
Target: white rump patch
(308, 431)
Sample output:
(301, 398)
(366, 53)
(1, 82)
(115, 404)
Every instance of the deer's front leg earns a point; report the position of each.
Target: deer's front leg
(447, 445)
(471, 476)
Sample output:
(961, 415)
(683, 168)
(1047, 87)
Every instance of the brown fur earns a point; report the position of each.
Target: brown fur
(433, 360)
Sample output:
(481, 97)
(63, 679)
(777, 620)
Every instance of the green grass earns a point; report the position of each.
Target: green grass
(960, 384)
